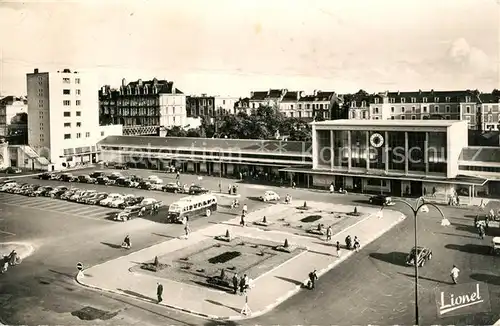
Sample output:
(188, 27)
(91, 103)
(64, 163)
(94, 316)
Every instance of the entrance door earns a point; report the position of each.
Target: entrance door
(357, 184)
(339, 182)
(396, 188)
(416, 188)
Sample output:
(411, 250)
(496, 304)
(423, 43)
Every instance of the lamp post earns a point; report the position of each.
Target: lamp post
(420, 206)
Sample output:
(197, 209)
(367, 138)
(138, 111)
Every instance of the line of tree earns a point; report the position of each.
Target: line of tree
(266, 123)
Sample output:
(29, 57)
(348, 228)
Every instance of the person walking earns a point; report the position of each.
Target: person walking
(338, 249)
(329, 233)
(332, 188)
(178, 176)
(159, 292)
(242, 220)
(312, 279)
(235, 283)
(454, 274)
(356, 244)
(187, 230)
(245, 209)
(481, 232)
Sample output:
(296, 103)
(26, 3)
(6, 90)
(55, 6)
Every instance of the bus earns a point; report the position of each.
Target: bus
(192, 206)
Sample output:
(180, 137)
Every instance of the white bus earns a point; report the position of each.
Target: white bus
(192, 206)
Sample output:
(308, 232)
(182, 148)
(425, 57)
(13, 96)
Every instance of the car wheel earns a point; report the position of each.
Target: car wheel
(208, 212)
(430, 256)
(164, 190)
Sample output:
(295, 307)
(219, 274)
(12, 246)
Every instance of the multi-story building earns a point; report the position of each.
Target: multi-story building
(421, 105)
(271, 97)
(289, 104)
(242, 106)
(10, 106)
(489, 115)
(63, 123)
(142, 107)
(210, 107)
(317, 105)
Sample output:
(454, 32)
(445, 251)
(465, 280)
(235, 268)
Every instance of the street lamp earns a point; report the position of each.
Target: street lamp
(420, 206)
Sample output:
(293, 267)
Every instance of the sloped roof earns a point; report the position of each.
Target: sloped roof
(271, 147)
(290, 96)
(481, 154)
(258, 96)
(455, 96)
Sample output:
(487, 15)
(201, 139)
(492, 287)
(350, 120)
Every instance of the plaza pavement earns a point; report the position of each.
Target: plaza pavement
(268, 290)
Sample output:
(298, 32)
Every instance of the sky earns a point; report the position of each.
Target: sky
(231, 47)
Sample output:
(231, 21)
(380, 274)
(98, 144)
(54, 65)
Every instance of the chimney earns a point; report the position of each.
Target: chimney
(36, 71)
(124, 82)
(139, 82)
(173, 88)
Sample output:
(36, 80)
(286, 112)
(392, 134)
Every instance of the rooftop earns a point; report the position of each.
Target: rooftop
(213, 144)
(389, 123)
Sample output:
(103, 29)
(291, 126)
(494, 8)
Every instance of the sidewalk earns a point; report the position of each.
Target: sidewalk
(269, 290)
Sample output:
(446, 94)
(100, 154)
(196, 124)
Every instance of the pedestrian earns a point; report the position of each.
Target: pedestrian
(159, 292)
(481, 232)
(242, 283)
(332, 189)
(245, 209)
(329, 233)
(242, 220)
(142, 211)
(241, 176)
(475, 221)
(356, 244)
(187, 230)
(235, 283)
(229, 188)
(433, 191)
(348, 242)
(312, 279)
(293, 184)
(220, 187)
(425, 191)
(338, 249)
(178, 176)
(454, 274)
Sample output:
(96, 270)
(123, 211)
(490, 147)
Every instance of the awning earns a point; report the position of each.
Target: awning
(460, 179)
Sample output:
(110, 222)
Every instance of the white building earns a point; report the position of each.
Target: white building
(63, 123)
(173, 108)
(10, 106)
(225, 104)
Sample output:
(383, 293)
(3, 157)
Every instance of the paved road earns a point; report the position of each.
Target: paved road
(372, 288)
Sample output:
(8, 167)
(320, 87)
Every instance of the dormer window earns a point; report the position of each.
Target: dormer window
(353, 104)
(447, 99)
(392, 100)
(424, 99)
(413, 100)
(363, 104)
(146, 89)
(436, 100)
(468, 99)
(376, 100)
(129, 90)
(403, 100)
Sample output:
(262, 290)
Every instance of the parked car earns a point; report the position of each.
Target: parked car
(381, 200)
(175, 188)
(86, 179)
(146, 185)
(128, 213)
(134, 201)
(423, 254)
(45, 176)
(97, 198)
(68, 193)
(19, 190)
(197, 190)
(122, 202)
(55, 176)
(103, 180)
(97, 174)
(77, 195)
(109, 199)
(154, 179)
(135, 178)
(7, 186)
(149, 202)
(31, 191)
(115, 175)
(11, 170)
(85, 196)
(120, 166)
(68, 177)
(270, 196)
(42, 191)
(58, 191)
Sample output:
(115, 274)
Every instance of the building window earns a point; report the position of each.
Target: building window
(67, 136)
(467, 109)
(77, 80)
(66, 80)
(447, 99)
(403, 100)
(78, 124)
(78, 102)
(447, 108)
(67, 114)
(102, 133)
(40, 92)
(363, 104)
(353, 104)
(364, 114)
(413, 117)
(403, 109)
(78, 113)
(67, 125)
(66, 91)
(425, 109)
(424, 99)
(300, 106)
(402, 117)
(447, 117)
(392, 118)
(291, 107)
(468, 99)
(66, 102)
(490, 118)
(413, 109)
(78, 92)
(392, 109)
(392, 100)
(436, 108)
(375, 110)
(413, 100)
(436, 100)
(87, 134)
(78, 135)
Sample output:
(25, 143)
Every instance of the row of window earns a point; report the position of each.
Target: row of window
(68, 124)
(67, 80)
(68, 102)
(68, 114)
(479, 168)
(78, 135)
(68, 92)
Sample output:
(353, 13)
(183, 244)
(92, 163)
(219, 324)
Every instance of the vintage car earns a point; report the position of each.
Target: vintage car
(198, 190)
(270, 196)
(109, 199)
(423, 255)
(175, 188)
(381, 200)
(128, 213)
(97, 198)
(68, 193)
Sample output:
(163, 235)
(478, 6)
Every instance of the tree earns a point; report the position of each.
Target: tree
(193, 132)
(176, 132)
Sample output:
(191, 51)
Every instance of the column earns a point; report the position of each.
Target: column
(367, 150)
(314, 147)
(426, 154)
(406, 152)
(349, 163)
(332, 157)
(386, 149)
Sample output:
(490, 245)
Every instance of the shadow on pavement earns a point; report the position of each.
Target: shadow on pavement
(395, 258)
(63, 274)
(254, 198)
(221, 323)
(362, 201)
(465, 227)
(138, 295)
(223, 305)
(470, 248)
(457, 235)
(486, 278)
(425, 278)
(111, 245)
(164, 235)
(289, 280)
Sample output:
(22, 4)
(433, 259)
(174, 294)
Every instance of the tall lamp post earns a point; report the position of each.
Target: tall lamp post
(419, 206)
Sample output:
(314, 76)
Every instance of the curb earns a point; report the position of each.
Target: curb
(268, 308)
(320, 273)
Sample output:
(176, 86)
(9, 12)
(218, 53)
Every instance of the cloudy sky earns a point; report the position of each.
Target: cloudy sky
(229, 47)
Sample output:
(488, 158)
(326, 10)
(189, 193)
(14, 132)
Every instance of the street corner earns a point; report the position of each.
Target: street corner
(23, 249)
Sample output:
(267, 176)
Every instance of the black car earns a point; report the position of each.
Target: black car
(144, 185)
(67, 177)
(123, 182)
(121, 166)
(423, 254)
(381, 200)
(197, 190)
(85, 179)
(11, 170)
(45, 176)
(103, 180)
(172, 187)
(97, 174)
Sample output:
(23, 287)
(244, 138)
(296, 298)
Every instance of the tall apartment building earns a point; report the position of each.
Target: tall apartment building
(480, 110)
(142, 107)
(210, 107)
(63, 117)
